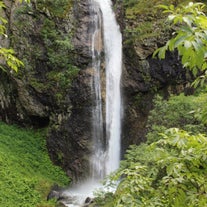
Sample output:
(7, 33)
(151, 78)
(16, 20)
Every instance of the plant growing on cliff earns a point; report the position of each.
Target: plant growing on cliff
(7, 55)
(144, 21)
(56, 8)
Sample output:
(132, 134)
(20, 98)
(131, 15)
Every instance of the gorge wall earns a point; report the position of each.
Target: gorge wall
(53, 89)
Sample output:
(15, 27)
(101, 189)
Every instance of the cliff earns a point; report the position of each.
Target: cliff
(53, 90)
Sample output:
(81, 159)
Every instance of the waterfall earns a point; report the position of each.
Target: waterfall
(106, 112)
(106, 158)
(113, 59)
(98, 152)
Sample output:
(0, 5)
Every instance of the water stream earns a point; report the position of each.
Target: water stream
(97, 160)
(106, 124)
(113, 61)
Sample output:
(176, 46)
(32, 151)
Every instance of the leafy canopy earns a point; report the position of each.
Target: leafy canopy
(189, 38)
(177, 112)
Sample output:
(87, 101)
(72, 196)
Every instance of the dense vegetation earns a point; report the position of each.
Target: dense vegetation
(26, 171)
(7, 54)
(178, 111)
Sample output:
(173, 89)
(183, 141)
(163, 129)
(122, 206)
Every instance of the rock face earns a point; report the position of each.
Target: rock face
(53, 90)
(69, 144)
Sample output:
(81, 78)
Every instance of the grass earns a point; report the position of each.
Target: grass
(26, 172)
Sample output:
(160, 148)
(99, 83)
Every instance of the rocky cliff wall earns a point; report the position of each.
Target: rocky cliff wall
(53, 89)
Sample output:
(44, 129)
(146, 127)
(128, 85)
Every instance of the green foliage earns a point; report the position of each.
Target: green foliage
(140, 7)
(56, 8)
(3, 21)
(50, 67)
(58, 45)
(140, 14)
(201, 112)
(144, 20)
(103, 199)
(59, 51)
(189, 40)
(179, 111)
(26, 171)
(171, 168)
(63, 79)
(169, 172)
(189, 37)
(7, 55)
(27, 1)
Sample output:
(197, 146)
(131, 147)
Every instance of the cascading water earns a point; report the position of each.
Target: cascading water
(106, 114)
(98, 153)
(113, 61)
(106, 158)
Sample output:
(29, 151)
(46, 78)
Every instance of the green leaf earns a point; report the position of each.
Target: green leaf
(202, 21)
(187, 44)
(172, 7)
(171, 17)
(171, 44)
(13, 62)
(162, 6)
(187, 20)
(190, 36)
(160, 52)
(179, 39)
(204, 66)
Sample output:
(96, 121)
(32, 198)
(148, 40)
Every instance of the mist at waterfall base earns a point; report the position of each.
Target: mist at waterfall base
(104, 160)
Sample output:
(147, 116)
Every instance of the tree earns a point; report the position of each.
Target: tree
(189, 38)
(8, 54)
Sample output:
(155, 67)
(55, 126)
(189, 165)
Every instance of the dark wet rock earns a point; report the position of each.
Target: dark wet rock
(55, 192)
(88, 201)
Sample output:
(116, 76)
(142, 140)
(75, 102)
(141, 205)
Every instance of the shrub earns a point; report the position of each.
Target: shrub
(179, 111)
(169, 172)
